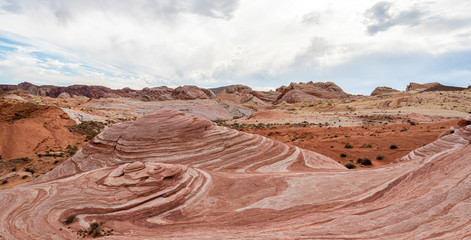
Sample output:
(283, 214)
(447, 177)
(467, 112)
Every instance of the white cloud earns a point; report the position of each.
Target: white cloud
(210, 43)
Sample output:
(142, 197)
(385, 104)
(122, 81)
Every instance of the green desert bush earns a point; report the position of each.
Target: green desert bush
(348, 146)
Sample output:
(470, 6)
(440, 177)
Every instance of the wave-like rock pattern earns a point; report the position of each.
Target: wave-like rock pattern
(169, 136)
(146, 191)
(172, 176)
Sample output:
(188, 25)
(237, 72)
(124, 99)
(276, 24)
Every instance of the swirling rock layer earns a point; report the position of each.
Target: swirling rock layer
(172, 176)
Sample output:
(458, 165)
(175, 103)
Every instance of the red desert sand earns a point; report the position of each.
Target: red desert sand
(168, 175)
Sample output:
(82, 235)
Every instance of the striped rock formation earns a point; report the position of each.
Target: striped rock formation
(173, 176)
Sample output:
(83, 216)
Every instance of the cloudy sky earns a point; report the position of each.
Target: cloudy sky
(261, 43)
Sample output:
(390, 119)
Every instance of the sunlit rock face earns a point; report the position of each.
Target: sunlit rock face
(168, 175)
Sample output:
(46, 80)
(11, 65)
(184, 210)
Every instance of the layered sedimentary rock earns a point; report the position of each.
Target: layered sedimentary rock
(241, 94)
(440, 87)
(172, 176)
(307, 92)
(165, 93)
(202, 108)
(417, 86)
(170, 136)
(383, 90)
(147, 94)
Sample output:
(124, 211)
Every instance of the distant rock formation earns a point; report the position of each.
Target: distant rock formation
(383, 90)
(64, 95)
(294, 93)
(241, 94)
(233, 94)
(432, 87)
(306, 92)
(147, 94)
(417, 86)
(54, 91)
(440, 87)
(267, 96)
(219, 89)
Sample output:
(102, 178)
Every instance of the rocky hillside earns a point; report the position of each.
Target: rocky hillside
(383, 90)
(96, 92)
(306, 92)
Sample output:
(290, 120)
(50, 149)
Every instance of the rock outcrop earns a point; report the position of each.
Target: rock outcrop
(27, 129)
(64, 95)
(294, 93)
(432, 87)
(171, 136)
(172, 176)
(440, 87)
(383, 90)
(306, 92)
(417, 86)
(241, 94)
(147, 94)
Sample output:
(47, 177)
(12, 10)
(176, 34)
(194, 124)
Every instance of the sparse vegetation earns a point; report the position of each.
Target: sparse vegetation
(22, 111)
(393, 147)
(51, 154)
(251, 107)
(71, 150)
(343, 155)
(350, 165)
(244, 126)
(69, 219)
(4, 182)
(364, 161)
(412, 123)
(30, 170)
(348, 146)
(379, 157)
(88, 128)
(95, 230)
(366, 145)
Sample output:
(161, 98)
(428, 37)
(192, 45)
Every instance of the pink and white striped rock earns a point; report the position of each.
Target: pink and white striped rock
(172, 176)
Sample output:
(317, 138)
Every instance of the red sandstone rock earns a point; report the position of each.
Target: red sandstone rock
(383, 90)
(27, 129)
(189, 93)
(171, 176)
(417, 86)
(147, 94)
(306, 92)
(240, 94)
(267, 96)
